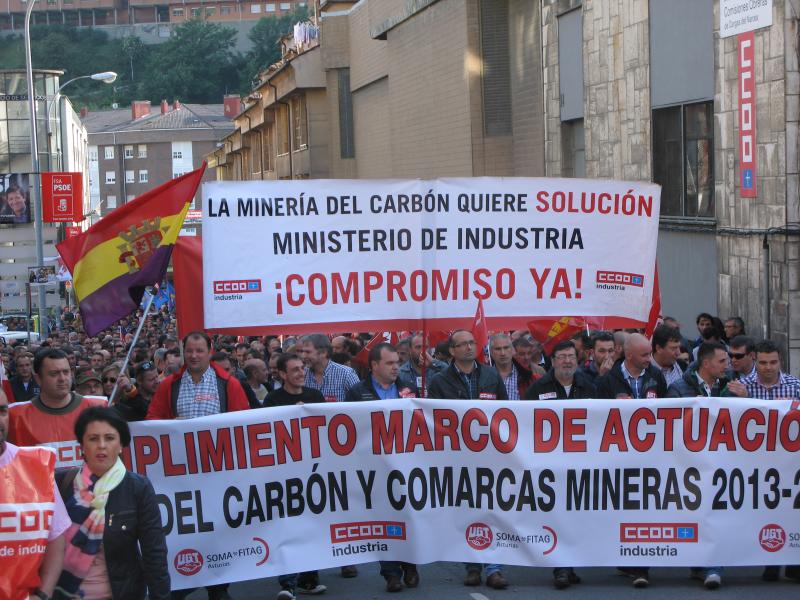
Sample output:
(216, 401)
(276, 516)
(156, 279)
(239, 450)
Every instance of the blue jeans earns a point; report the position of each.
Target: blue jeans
(487, 569)
(393, 567)
(703, 572)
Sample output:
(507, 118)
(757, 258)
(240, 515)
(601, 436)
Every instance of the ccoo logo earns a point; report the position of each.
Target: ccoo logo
(772, 537)
(479, 536)
(188, 562)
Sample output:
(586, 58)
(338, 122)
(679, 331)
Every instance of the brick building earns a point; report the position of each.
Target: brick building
(92, 13)
(133, 151)
(626, 89)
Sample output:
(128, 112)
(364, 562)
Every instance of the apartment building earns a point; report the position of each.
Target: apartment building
(643, 90)
(134, 150)
(94, 13)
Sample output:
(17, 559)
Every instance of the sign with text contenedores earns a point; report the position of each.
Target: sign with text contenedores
(681, 482)
(316, 255)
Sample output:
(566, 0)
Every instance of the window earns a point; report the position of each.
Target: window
(225, 10)
(255, 8)
(270, 7)
(142, 150)
(268, 148)
(111, 202)
(143, 176)
(129, 177)
(195, 13)
(283, 129)
(683, 152)
(129, 197)
(177, 154)
(93, 153)
(299, 123)
(346, 135)
(128, 151)
(109, 152)
(496, 76)
(177, 174)
(177, 12)
(210, 11)
(111, 177)
(286, 6)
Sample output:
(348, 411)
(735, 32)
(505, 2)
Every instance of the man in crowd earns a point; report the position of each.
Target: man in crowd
(742, 350)
(257, 374)
(134, 405)
(23, 385)
(704, 321)
(666, 344)
(530, 354)
(333, 380)
(411, 370)
(198, 389)
(734, 326)
(707, 379)
(466, 379)
(602, 356)
(382, 383)
(768, 382)
(634, 377)
(274, 380)
(292, 372)
(88, 383)
(48, 419)
(28, 476)
(515, 377)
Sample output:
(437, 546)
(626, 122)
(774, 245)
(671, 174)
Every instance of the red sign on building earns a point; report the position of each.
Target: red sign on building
(72, 231)
(747, 114)
(62, 197)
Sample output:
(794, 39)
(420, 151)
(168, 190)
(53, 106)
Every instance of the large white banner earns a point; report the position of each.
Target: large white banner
(689, 482)
(342, 254)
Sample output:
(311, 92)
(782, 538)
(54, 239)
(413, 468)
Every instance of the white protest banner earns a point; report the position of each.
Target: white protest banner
(688, 482)
(340, 255)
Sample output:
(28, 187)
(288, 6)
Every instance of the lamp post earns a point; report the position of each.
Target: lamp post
(105, 76)
(35, 187)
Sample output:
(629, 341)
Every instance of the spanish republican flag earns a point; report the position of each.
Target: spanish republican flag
(116, 258)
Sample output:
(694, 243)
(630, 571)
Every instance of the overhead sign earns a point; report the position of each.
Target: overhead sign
(747, 114)
(740, 16)
(62, 197)
(353, 255)
(691, 481)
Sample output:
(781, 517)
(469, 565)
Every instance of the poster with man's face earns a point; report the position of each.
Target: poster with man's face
(15, 199)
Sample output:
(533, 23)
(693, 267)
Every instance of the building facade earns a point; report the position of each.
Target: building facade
(62, 146)
(641, 90)
(132, 151)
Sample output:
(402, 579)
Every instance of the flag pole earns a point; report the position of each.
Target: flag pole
(423, 391)
(133, 345)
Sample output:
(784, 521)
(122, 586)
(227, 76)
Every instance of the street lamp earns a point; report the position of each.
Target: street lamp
(35, 187)
(105, 77)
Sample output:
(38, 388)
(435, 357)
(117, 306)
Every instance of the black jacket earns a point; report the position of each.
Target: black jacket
(19, 391)
(548, 384)
(613, 384)
(365, 390)
(688, 387)
(132, 407)
(133, 521)
(450, 385)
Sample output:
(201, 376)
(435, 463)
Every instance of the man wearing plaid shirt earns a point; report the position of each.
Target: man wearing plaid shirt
(769, 383)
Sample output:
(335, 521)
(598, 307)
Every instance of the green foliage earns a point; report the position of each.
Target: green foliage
(264, 37)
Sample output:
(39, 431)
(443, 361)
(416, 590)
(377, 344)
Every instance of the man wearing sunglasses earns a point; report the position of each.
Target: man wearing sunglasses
(133, 406)
(742, 350)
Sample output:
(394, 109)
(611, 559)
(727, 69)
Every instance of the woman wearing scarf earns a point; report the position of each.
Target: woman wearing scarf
(115, 548)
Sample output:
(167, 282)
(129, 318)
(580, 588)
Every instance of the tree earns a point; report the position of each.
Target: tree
(196, 64)
(264, 37)
(133, 48)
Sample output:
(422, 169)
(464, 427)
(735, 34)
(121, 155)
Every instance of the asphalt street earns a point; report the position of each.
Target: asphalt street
(443, 581)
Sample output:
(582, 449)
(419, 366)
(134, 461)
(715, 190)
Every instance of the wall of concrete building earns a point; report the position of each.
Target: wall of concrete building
(742, 277)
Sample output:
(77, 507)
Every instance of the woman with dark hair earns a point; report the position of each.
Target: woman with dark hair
(116, 548)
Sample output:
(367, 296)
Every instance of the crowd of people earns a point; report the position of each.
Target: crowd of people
(76, 393)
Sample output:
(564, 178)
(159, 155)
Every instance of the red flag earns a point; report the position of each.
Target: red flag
(187, 269)
(550, 331)
(362, 358)
(480, 331)
(654, 318)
